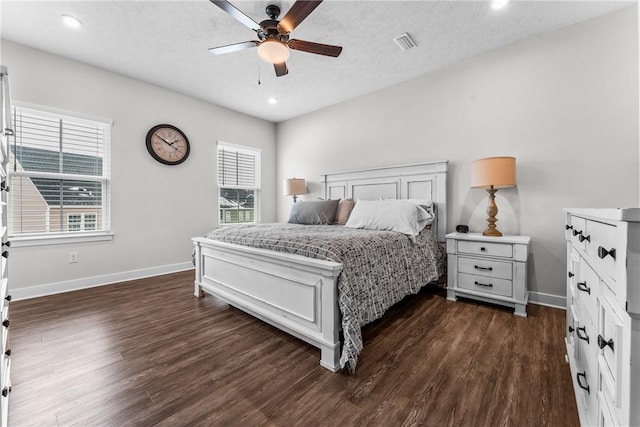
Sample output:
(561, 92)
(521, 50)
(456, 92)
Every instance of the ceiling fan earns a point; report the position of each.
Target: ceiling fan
(273, 35)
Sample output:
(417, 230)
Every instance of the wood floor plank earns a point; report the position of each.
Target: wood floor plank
(147, 352)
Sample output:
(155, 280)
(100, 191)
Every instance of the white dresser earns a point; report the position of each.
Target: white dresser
(490, 269)
(603, 314)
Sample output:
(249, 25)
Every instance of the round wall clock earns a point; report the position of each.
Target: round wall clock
(168, 144)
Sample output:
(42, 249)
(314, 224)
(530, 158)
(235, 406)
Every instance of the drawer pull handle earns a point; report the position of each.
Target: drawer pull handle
(602, 252)
(483, 249)
(570, 274)
(576, 232)
(602, 343)
(582, 238)
(8, 298)
(483, 268)
(6, 323)
(571, 329)
(4, 186)
(584, 387)
(484, 284)
(7, 243)
(568, 227)
(583, 287)
(5, 254)
(5, 392)
(8, 353)
(584, 337)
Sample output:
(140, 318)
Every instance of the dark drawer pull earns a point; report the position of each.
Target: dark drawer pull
(602, 343)
(483, 268)
(568, 227)
(584, 337)
(4, 186)
(582, 238)
(7, 243)
(8, 353)
(484, 284)
(583, 287)
(571, 329)
(576, 232)
(570, 274)
(483, 249)
(5, 392)
(6, 323)
(5, 254)
(602, 252)
(8, 298)
(584, 387)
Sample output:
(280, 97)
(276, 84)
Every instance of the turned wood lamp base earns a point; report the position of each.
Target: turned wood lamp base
(492, 211)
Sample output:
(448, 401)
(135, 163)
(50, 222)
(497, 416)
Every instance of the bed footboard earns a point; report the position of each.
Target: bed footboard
(293, 293)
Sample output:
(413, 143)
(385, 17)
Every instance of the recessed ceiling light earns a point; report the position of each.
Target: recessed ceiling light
(498, 4)
(272, 100)
(71, 21)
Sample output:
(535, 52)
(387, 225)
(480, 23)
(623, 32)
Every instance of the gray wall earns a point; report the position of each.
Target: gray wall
(156, 209)
(565, 104)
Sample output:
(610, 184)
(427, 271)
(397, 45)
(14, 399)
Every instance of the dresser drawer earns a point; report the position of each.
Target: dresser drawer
(486, 284)
(485, 267)
(576, 228)
(587, 291)
(504, 250)
(604, 247)
(610, 346)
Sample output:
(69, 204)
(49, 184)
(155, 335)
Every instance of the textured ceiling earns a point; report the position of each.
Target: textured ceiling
(165, 43)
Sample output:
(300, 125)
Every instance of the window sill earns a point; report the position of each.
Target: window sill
(60, 239)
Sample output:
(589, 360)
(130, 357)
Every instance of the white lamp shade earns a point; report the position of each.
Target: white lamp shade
(273, 51)
(496, 172)
(294, 186)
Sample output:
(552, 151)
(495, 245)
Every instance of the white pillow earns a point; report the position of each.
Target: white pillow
(394, 215)
(428, 216)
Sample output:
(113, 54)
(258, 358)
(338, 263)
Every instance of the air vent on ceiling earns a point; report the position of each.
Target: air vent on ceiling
(405, 42)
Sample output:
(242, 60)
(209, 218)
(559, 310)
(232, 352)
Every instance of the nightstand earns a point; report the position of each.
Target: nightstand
(489, 269)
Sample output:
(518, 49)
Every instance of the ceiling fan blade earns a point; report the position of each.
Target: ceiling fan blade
(221, 50)
(281, 69)
(317, 48)
(237, 14)
(298, 12)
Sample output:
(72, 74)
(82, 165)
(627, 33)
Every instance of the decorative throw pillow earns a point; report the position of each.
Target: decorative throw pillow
(428, 216)
(345, 206)
(393, 215)
(313, 212)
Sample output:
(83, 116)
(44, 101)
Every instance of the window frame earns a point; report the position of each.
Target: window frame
(257, 153)
(53, 238)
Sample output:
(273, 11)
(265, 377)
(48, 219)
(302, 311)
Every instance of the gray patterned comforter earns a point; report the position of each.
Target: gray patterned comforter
(379, 267)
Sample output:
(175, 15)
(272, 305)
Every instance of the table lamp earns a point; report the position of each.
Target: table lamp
(491, 174)
(293, 187)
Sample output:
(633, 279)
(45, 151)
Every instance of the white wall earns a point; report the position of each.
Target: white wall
(156, 209)
(565, 104)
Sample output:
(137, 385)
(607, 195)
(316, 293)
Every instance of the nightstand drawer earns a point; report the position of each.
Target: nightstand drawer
(485, 267)
(485, 284)
(484, 248)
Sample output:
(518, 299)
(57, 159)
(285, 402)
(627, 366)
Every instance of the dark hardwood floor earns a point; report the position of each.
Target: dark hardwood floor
(148, 352)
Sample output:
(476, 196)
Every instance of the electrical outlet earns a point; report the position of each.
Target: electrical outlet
(73, 257)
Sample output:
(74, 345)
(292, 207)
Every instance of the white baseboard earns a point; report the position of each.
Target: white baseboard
(548, 300)
(91, 282)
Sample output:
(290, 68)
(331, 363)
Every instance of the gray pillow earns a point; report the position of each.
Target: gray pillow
(313, 212)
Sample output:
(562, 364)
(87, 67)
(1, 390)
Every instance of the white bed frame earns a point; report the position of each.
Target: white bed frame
(298, 294)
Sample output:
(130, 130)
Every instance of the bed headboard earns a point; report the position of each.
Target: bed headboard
(416, 181)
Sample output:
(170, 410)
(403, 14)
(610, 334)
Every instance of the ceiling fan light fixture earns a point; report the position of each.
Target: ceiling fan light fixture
(273, 51)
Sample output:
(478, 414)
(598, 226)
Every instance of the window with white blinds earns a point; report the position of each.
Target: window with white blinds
(59, 174)
(238, 183)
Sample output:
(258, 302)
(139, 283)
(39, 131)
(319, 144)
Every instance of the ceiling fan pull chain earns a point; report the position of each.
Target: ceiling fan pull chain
(259, 73)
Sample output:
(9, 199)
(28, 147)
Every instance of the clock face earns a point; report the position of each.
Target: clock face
(167, 144)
